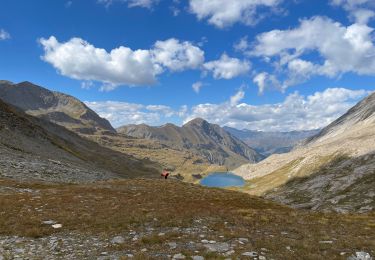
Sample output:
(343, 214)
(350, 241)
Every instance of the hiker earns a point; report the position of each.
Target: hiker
(165, 174)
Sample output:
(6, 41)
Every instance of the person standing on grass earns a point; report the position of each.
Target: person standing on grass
(165, 174)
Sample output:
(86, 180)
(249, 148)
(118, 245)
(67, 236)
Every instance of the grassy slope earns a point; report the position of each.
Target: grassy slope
(110, 208)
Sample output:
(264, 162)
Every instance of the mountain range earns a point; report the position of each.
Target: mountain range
(55, 137)
(200, 137)
(195, 148)
(333, 170)
(267, 143)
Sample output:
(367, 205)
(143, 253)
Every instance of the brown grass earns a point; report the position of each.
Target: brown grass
(109, 208)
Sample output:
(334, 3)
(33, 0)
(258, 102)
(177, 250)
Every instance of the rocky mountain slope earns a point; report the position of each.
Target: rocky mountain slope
(334, 170)
(54, 106)
(200, 137)
(32, 148)
(268, 143)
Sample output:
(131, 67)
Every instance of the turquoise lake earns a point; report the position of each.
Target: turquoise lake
(220, 180)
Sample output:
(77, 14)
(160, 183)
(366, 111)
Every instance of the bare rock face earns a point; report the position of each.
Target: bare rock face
(333, 171)
(53, 106)
(208, 140)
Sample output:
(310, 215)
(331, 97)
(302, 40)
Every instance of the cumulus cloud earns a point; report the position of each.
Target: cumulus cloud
(123, 113)
(227, 67)
(224, 13)
(131, 3)
(362, 11)
(4, 35)
(176, 55)
(81, 60)
(340, 48)
(296, 112)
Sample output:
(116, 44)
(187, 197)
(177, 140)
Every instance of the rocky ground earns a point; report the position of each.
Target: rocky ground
(158, 219)
(28, 167)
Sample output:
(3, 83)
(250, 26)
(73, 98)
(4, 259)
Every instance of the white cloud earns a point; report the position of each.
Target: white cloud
(341, 50)
(224, 13)
(296, 112)
(123, 113)
(266, 81)
(227, 67)
(131, 3)
(197, 86)
(176, 55)
(81, 60)
(362, 11)
(4, 35)
(87, 84)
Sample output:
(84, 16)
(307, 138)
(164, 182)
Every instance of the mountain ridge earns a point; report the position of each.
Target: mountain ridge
(198, 135)
(54, 106)
(334, 170)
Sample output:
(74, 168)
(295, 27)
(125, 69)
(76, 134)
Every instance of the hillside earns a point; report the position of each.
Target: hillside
(54, 106)
(165, 219)
(33, 148)
(334, 170)
(199, 137)
(267, 143)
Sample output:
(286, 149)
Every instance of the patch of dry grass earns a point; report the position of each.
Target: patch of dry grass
(109, 208)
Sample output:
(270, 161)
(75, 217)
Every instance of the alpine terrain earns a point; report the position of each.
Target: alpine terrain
(333, 170)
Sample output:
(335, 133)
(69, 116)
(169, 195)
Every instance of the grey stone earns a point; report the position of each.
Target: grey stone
(251, 254)
(179, 256)
(118, 240)
(198, 257)
(360, 256)
(172, 245)
(218, 247)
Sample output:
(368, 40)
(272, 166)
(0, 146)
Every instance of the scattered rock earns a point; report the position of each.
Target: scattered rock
(218, 247)
(49, 222)
(172, 245)
(161, 234)
(360, 256)
(326, 242)
(251, 254)
(229, 253)
(55, 226)
(118, 240)
(144, 250)
(179, 256)
(261, 257)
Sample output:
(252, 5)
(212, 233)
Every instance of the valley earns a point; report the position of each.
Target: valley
(97, 193)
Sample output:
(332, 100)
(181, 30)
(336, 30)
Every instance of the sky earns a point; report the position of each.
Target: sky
(270, 65)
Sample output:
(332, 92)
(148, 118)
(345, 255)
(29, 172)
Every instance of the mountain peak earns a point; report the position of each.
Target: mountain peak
(196, 121)
(6, 82)
(54, 106)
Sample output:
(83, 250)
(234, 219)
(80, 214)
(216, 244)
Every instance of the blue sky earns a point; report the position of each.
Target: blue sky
(257, 64)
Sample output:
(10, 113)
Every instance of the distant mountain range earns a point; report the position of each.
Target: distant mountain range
(333, 170)
(200, 137)
(194, 148)
(267, 143)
